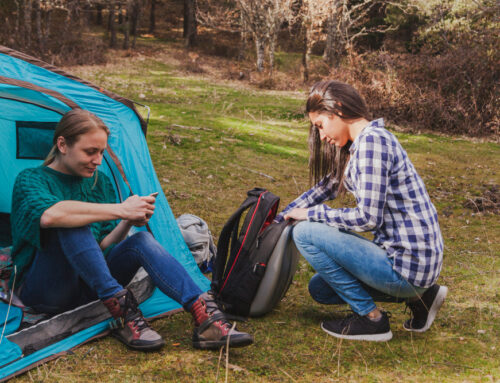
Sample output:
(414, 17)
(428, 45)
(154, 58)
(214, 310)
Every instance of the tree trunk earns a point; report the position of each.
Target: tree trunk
(332, 51)
(190, 24)
(126, 28)
(305, 58)
(110, 15)
(17, 32)
(272, 47)
(46, 29)
(152, 17)
(259, 46)
(243, 38)
(112, 24)
(328, 53)
(27, 24)
(120, 13)
(98, 20)
(38, 26)
(136, 14)
(185, 19)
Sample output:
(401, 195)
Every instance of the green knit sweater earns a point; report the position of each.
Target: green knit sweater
(37, 189)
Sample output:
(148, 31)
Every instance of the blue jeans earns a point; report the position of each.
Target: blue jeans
(350, 269)
(71, 270)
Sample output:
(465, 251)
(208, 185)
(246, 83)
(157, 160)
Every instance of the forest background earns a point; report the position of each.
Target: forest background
(426, 64)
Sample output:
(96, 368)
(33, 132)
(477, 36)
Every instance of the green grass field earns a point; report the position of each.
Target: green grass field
(211, 141)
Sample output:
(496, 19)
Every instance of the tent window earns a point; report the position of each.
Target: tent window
(34, 139)
(5, 234)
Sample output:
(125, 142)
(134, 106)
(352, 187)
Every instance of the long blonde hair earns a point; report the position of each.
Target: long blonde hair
(71, 126)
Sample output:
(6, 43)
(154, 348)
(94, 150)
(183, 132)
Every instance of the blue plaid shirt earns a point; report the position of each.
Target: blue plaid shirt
(392, 202)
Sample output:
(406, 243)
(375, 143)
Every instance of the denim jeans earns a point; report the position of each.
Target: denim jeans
(350, 269)
(71, 270)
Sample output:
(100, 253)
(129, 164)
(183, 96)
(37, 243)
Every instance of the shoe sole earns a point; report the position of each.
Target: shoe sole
(367, 337)
(147, 347)
(436, 305)
(215, 345)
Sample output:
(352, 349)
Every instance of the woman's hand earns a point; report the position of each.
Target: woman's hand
(138, 210)
(298, 214)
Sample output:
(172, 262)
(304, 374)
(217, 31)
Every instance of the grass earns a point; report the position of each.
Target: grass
(211, 141)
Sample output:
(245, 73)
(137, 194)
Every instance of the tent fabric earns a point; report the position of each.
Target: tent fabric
(35, 93)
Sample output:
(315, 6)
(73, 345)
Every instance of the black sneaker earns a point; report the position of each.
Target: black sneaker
(357, 327)
(424, 310)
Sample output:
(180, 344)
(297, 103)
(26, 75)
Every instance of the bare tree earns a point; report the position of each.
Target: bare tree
(264, 19)
(27, 23)
(311, 15)
(190, 23)
(38, 25)
(347, 22)
(112, 24)
(130, 21)
(152, 19)
(134, 22)
(126, 24)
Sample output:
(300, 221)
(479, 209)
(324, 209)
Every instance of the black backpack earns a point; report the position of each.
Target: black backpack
(237, 275)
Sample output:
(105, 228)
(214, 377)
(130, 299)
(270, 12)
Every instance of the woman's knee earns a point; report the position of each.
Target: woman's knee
(142, 239)
(142, 236)
(72, 240)
(301, 232)
(321, 292)
(146, 245)
(315, 287)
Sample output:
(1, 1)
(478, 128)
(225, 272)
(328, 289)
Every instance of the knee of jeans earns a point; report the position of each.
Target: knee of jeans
(142, 236)
(145, 242)
(81, 237)
(300, 232)
(317, 290)
(314, 286)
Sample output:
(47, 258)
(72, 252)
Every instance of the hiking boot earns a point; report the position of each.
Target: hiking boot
(425, 308)
(212, 329)
(358, 327)
(129, 326)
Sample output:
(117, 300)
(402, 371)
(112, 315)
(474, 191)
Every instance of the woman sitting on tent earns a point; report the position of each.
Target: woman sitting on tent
(68, 248)
(350, 152)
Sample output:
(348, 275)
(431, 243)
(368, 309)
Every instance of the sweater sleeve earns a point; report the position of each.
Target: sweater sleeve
(30, 198)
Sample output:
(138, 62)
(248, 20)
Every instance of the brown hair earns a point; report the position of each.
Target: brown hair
(71, 126)
(332, 97)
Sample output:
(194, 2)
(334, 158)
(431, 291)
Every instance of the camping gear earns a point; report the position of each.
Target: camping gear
(199, 240)
(33, 97)
(255, 264)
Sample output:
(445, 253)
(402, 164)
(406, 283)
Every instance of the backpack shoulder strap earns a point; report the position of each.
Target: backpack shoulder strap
(230, 227)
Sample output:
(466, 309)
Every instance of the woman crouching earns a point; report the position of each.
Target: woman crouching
(350, 152)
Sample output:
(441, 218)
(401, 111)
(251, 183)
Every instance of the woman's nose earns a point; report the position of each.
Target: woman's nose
(97, 160)
(322, 135)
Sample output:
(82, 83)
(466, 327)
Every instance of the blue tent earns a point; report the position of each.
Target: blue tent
(33, 97)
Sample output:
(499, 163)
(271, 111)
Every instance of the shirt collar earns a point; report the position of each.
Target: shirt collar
(378, 123)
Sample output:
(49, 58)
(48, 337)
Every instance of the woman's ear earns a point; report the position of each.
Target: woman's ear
(61, 145)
